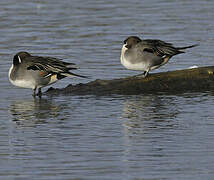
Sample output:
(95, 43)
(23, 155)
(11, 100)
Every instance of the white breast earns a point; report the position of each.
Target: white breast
(136, 66)
(21, 82)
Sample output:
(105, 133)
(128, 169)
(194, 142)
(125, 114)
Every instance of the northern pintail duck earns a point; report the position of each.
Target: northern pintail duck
(35, 72)
(149, 54)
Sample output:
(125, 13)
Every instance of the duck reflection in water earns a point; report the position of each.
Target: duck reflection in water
(34, 111)
(150, 111)
(149, 123)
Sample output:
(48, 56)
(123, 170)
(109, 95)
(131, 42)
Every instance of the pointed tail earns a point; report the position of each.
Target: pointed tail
(186, 47)
(70, 74)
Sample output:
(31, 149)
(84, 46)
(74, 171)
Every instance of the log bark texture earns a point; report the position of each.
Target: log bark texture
(179, 81)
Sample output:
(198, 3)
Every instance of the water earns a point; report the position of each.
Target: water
(105, 137)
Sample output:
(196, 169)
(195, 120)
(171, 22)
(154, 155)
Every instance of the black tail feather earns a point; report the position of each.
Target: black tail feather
(73, 74)
(186, 47)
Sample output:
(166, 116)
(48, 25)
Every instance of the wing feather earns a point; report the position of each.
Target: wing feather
(159, 48)
(51, 66)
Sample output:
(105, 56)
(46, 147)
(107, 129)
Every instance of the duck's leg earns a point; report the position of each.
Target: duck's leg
(146, 73)
(34, 92)
(143, 75)
(39, 92)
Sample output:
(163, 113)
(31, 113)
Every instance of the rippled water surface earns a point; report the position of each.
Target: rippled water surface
(105, 137)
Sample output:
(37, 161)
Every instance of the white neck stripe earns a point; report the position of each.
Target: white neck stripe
(20, 61)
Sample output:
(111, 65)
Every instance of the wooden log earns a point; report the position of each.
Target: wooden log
(196, 79)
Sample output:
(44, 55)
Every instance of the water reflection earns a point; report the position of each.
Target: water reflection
(149, 112)
(148, 122)
(34, 111)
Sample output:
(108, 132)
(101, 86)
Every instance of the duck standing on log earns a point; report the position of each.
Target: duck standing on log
(149, 54)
